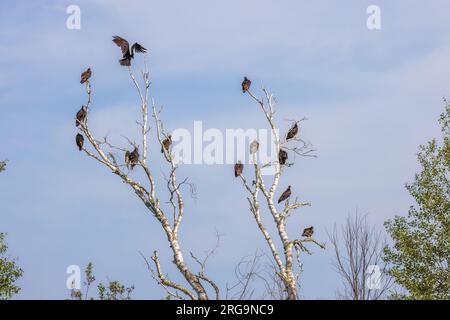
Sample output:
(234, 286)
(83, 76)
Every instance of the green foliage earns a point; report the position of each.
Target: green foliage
(113, 291)
(420, 253)
(9, 272)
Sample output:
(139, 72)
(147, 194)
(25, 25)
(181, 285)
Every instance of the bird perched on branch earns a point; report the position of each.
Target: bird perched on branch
(81, 116)
(86, 75)
(282, 157)
(308, 232)
(246, 84)
(127, 52)
(132, 158)
(166, 143)
(238, 168)
(285, 195)
(292, 132)
(254, 146)
(79, 139)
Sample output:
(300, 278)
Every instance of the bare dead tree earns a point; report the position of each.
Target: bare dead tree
(169, 217)
(358, 246)
(246, 272)
(285, 261)
(252, 270)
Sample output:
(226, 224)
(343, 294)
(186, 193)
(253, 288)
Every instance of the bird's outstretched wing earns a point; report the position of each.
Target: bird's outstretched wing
(122, 43)
(136, 47)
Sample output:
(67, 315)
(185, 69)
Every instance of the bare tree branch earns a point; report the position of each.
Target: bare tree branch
(357, 246)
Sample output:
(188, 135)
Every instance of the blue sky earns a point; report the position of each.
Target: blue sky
(371, 98)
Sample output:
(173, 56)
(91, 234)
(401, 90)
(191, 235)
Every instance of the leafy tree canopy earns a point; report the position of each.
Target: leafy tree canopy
(9, 272)
(419, 255)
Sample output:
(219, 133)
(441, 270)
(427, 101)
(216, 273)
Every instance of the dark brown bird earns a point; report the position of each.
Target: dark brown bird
(285, 195)
(308, 232)
(86, 75)
(246, 84)
(80, 141)
(166, 143)
(282, 157)
(292, 132)
(81, 116)
(127, 52)
(133, 158)
(238, 168)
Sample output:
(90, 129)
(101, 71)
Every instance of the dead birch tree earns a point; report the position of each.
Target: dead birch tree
(169, 216)
(287, 259)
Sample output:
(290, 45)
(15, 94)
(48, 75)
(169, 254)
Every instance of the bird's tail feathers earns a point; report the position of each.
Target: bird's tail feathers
(125, 62)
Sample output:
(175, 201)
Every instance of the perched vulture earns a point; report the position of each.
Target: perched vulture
(79, 140)
(238, 168)
(132, 157)
(86, 75)
(282, 157)
(292, 132)
(254, 146)
(166, 143)
(246, 84)
(286, 194)
(127, 53)
(308, 232)
(81, 116)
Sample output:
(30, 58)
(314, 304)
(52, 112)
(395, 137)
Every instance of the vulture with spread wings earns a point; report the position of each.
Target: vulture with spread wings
(127, 52)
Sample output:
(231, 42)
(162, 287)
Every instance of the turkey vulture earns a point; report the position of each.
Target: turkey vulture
(238, 168)
(79, 140)
(86, 75)
(308, 232)
(292, 132)
(81, 116)
(254, 146)
(166, 143)
(246, 84)
(132, 157)
(127, 53)
(282, 157)
(286, 194)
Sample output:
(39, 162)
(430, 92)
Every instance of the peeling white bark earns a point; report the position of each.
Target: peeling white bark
(149, 196)
(285, 268)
